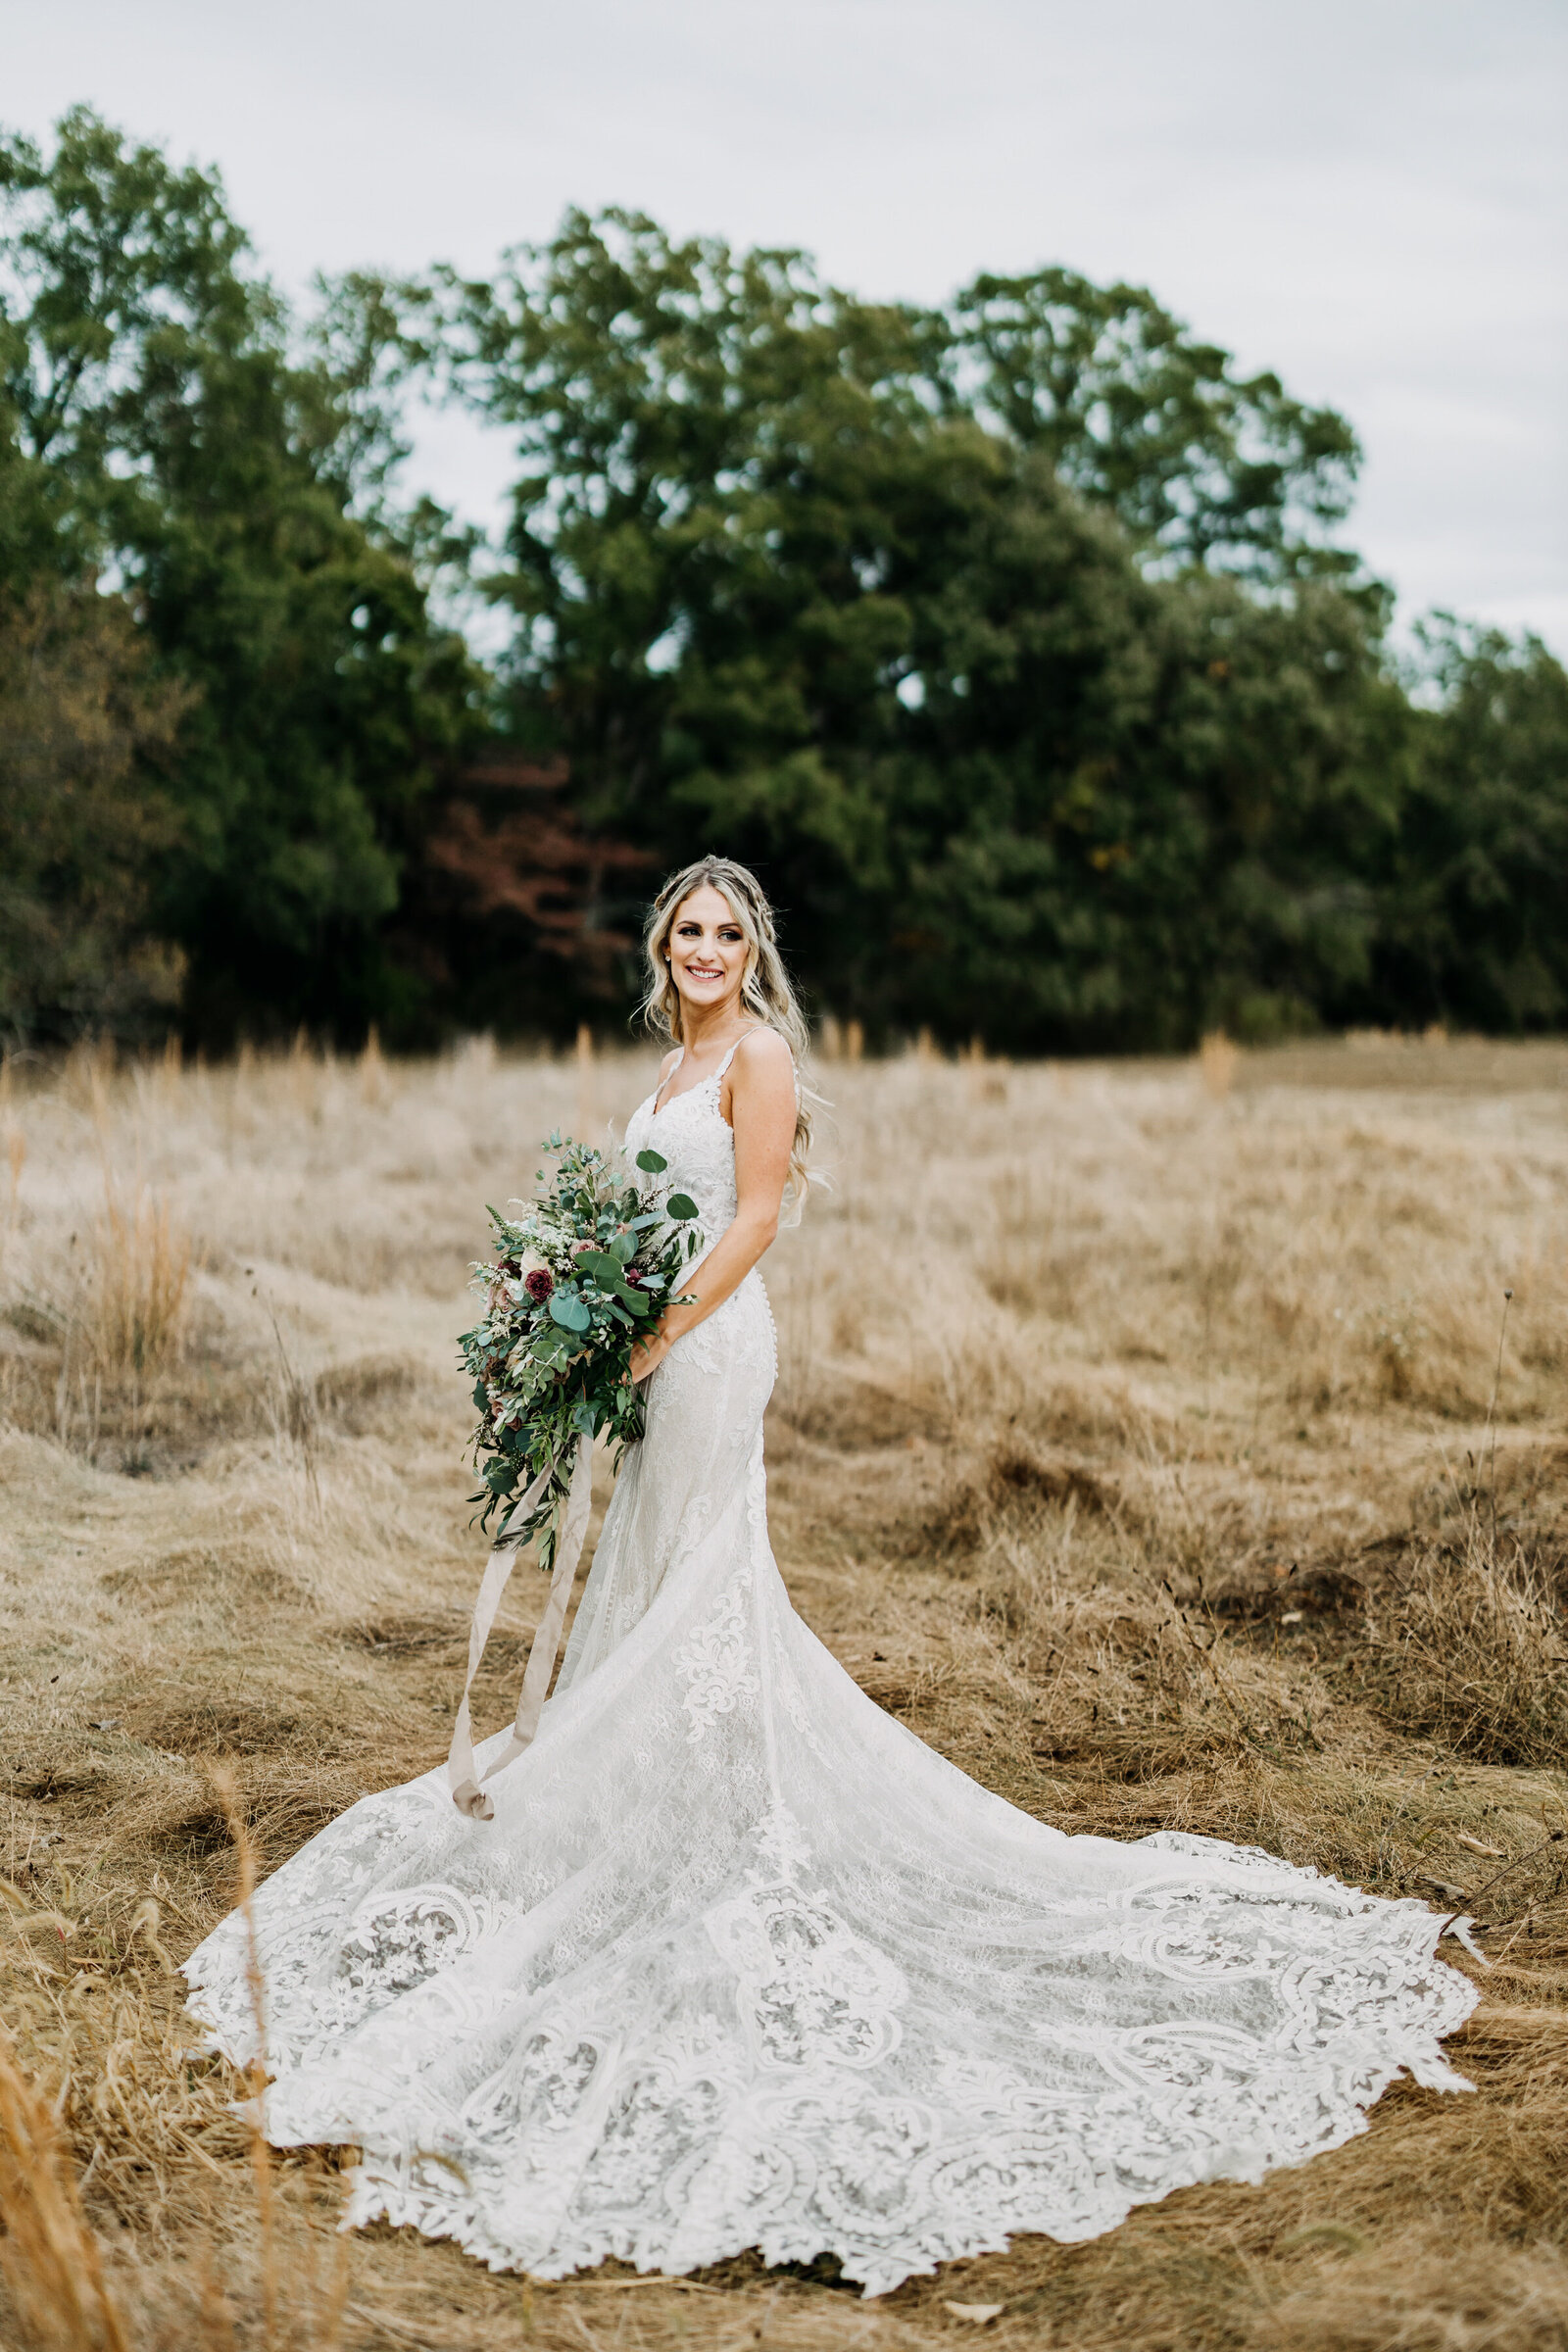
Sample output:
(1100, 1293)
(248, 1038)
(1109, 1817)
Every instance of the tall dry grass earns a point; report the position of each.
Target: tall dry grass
(134, 1291)
(49, 2256)
(1148, 1437)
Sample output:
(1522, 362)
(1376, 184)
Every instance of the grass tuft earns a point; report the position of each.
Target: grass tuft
(1473, 1652)
(135, 1285)
(49, 2257)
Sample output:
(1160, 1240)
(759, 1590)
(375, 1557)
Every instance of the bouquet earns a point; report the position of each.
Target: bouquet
(578, 1275)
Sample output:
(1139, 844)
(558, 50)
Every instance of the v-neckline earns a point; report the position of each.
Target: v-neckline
(660, 1109)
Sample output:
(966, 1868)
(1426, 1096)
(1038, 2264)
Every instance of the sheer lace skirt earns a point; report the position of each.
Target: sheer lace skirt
(739, 1962)
(705, 1417)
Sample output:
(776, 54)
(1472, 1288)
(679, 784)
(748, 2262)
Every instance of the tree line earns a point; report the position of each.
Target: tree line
(1017, 643)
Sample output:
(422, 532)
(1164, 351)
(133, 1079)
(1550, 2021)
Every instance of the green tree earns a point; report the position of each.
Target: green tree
(1121, 809)
(879, 598)
(1014, 641)
(725, 471)
(86, 737)
(212, 467)
(1472, 925)
(669, 405)
(1201, 464)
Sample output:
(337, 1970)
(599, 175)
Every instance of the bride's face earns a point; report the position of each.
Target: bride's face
(706, 951)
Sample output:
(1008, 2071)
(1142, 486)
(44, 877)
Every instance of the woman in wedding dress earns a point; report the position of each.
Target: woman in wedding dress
(739, 1962)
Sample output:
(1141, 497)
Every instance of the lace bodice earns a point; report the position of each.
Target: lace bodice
(691, 1132)
(739, 1962)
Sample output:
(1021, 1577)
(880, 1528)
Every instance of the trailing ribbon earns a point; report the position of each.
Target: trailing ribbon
(462, 1773)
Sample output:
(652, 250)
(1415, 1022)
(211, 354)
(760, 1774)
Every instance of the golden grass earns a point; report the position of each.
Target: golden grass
(137, 1285)
(49, 2257)
(1148, 1438)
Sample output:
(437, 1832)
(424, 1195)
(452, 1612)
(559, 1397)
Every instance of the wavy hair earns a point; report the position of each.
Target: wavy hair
(765, 990)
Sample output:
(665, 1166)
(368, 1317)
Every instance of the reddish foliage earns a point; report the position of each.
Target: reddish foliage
(530, 855)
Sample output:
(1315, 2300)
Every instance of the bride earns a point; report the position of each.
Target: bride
(738, 1961)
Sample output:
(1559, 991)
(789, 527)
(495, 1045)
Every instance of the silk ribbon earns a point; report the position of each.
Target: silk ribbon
(462, 1773)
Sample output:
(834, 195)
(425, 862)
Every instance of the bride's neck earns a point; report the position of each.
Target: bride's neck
(709, 1031)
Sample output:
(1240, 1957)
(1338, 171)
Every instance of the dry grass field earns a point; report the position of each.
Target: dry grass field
(1148, 1437)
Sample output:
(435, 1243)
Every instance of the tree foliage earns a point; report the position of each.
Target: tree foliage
(1206, 467)
(1016, 641)
(180, 447)
(87, 735)
(1012, 639)
(1474, 926)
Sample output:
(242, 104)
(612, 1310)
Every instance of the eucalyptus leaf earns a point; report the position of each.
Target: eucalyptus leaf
(602, 1265)
(653, 1163)
(681, 1207)
(569, 1312)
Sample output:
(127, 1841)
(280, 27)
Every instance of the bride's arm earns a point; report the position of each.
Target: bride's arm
(761, 1103)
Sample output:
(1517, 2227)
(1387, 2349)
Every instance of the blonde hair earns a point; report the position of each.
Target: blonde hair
(765, 991)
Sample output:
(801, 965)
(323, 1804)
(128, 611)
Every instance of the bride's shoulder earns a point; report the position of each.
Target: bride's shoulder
(760, 1078)
(763, 1052)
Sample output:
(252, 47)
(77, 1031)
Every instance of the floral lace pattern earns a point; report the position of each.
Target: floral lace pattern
(714, 1664)
(813, 1990)
(739, 1962)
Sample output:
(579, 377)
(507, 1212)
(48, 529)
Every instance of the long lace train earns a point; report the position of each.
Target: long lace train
(740, 1962)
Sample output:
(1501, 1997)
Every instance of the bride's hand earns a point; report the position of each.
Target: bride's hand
(647, 1355)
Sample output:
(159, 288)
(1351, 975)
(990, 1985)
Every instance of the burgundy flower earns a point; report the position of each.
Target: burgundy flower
(539, 1284)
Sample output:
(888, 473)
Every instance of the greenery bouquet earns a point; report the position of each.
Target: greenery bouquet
(578, 1275)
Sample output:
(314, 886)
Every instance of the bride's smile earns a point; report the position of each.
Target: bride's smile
(736, 1961)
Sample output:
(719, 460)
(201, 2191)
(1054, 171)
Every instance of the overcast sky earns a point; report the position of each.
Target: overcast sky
(1366, 195)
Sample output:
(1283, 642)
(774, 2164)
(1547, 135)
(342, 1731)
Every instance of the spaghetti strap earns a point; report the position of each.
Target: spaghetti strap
(668, 1075)
(736, 1047)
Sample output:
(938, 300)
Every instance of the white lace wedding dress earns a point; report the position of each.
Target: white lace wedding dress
(739, 1962)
